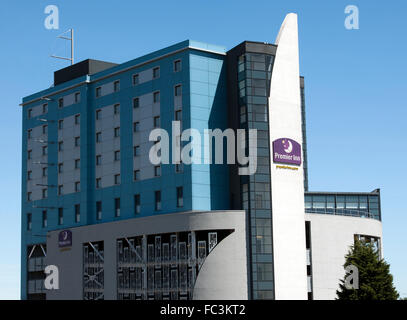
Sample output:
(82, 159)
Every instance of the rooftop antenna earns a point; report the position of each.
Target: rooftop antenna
(61, 36)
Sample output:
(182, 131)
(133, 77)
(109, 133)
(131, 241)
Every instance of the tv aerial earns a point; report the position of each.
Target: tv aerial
(68, 36)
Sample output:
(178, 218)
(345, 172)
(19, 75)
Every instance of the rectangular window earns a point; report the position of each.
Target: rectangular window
(98, 92)
(117, 155)
(45, 108)
(116, 108)
(77, 186)
(77, 119)
(60, 124)
(177, 65)
(157, 171)
(264, 272)
(117, 207)
(157, 122)
(44, 150)
(60, 146)
(60, 189)
(60, 216)
(178, 115)
(137, 208)
(135, 79)
(29, 153)
(136, 126)
(77, 163)
(44, 193)
(77, 97)
(29, 194)
(116, 86)
(117, 179)
(29, 113)
(156, 97)
(180, 197)
(136, 151)
(136, 175)
(98, 114)
(117, 132)
(98, 137)
(29, 221)
(136, 103)
(157, 196)
(44, 219)
(178, 90)
(44, 129)
(44, 171)
(60, 167)
(77, 141)
(77, 213)
(98, 183)
(60, 102)
(29, 132)
(98, 160)
(98, 210)
(29, 173)
(156, 72)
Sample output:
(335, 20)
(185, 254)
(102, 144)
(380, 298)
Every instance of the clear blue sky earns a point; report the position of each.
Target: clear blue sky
(356, 88)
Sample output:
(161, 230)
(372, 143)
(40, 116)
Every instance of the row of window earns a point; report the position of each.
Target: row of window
(61, 104)
(137, 208)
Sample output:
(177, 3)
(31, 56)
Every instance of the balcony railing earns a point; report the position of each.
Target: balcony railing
(343, 212)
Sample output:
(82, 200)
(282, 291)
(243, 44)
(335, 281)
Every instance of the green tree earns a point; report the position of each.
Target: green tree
(375, 280)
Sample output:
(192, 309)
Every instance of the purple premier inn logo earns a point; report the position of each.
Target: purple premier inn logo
(65, 238)
(286, 151)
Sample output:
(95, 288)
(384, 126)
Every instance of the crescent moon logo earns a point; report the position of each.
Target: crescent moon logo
(288, 148)
(65, 235)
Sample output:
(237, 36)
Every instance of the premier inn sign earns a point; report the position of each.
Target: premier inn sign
(286, 151)
(65, 239)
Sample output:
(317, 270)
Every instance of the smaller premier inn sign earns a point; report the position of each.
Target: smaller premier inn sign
(286, 151)
(65, 239)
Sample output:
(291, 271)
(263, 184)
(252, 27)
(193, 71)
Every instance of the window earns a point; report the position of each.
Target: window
(117, 179)
(98, 183)
(157, 196)
(177, 65)
(44, 219)
(60, 124)
(117, 207)
(264, 272)
(137, 204)
(177, 90)
(60, 102)
(178, 115)
(98, 92)
(116, 86)
(116, 108)
(117, 132)
(77, 163)
(117, 155)
(44, 171)
(44, 150)
(136, 151)
(98, 210)
(45, 108)
(98, 137)
(29, 221)
(60, 189)
(29, 174)
(44, 129)
(60, 146)
(98, 114)
(77, 141)
(98, 160)
(157, 171)
(156, 121)
(29, 113)
(136, 175)
(77, 186)
(77, 119)
(180, 197)
(136, 103)
(60, 216)
(60, 167)
(77, 97)
(136, 126)
(77, 213)
(156, 97)
(156, 72)
(44, 193)
(135, 79)
(29, 154)
(29, 133)
(29, 194)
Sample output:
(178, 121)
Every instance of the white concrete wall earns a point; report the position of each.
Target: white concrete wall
(287, 186)
(331, 238)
